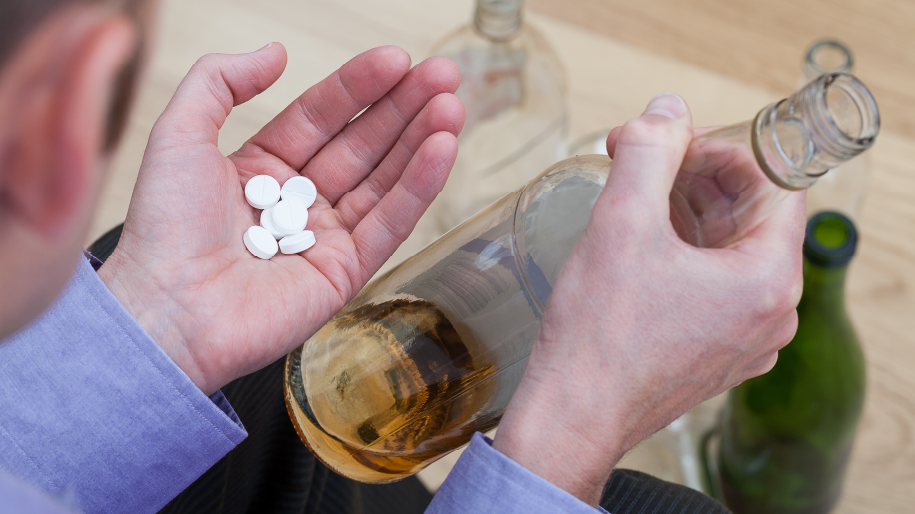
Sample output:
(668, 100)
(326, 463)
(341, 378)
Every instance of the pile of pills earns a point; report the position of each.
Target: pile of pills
(284, 215)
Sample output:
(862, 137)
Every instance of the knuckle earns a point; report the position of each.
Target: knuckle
(796, 286)
(786, 332)
(647, 132)
(766, 365)
(207, 62)
(757, 367)
(778, 293)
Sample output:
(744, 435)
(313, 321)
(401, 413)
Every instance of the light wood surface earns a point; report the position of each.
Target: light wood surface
(762, 42)
(726, 58)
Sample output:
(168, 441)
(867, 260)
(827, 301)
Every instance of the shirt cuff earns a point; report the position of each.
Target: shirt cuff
(485, 480)
(19, 497)
(93, 405)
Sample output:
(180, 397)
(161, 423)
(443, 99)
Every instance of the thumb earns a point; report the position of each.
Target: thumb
(648, 153)
(214, 85)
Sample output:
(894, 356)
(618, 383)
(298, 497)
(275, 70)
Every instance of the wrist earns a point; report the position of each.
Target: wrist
(561, 443)
(154, 310)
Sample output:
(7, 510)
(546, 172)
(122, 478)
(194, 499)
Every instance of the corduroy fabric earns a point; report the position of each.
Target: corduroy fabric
(634, 492)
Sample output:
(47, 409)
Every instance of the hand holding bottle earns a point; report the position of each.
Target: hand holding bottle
(641, 325)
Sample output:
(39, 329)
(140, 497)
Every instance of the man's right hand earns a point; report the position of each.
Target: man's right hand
(642, 326)
(181, 268)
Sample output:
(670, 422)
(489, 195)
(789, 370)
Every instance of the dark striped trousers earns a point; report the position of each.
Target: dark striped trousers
(272, 472)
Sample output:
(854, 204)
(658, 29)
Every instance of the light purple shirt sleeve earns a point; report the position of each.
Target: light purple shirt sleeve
(93, 411)
(485, 480)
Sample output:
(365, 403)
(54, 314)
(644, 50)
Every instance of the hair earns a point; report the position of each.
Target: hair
(18, 18)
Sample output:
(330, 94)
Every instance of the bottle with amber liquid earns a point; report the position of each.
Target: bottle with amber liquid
(786, 435)
(432, 351)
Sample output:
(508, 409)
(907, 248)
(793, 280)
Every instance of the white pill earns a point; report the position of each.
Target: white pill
(260, 243)
(262, 191)
(297, 242)
(290, 216)
(267, 223)
(301, 189)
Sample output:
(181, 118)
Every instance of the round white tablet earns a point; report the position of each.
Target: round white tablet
(262, 191)
(301, 189)
(260, 243)
(267, 223)
(290, 216)
(297, 242)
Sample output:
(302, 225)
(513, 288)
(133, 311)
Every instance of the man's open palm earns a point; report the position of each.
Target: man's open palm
(181, 268)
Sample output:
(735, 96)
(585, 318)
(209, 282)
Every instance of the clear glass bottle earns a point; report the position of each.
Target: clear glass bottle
(514, 92)
(844, 188)
(786, 436)
(432, 351)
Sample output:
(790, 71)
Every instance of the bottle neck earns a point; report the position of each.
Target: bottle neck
(498, 20)
(732, 178)
(824, 286)
(828, 122)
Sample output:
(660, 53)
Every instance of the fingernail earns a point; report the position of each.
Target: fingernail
(668, 105)
(266, 47)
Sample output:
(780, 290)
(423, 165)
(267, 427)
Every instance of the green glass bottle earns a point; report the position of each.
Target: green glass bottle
(786, 436)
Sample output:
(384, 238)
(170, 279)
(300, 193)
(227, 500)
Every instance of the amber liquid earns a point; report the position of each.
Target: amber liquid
(432, 351)
(386, 389)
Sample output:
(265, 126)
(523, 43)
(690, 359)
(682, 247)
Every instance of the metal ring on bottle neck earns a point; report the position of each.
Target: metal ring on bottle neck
(761, 158)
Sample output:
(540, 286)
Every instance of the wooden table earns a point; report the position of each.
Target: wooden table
(727, 58)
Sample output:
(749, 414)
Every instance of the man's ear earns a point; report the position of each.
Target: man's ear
(57, 90)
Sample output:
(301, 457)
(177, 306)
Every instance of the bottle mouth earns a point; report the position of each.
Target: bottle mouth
(842, 115)
(831, 239)
(822, 126)
(498, 20)
(828, 56)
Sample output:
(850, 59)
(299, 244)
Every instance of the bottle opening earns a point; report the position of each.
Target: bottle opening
(822, 126)
(831, 239)
(829, 56)
(851, 112)
(831, 233)
(840, 117)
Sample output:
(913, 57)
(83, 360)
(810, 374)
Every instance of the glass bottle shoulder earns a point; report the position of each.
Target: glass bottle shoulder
(528, 56)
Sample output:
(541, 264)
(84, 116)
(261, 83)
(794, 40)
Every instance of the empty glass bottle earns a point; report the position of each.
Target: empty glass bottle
(843, 189)
(514, 92)
(786, 435)
(432, 351)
